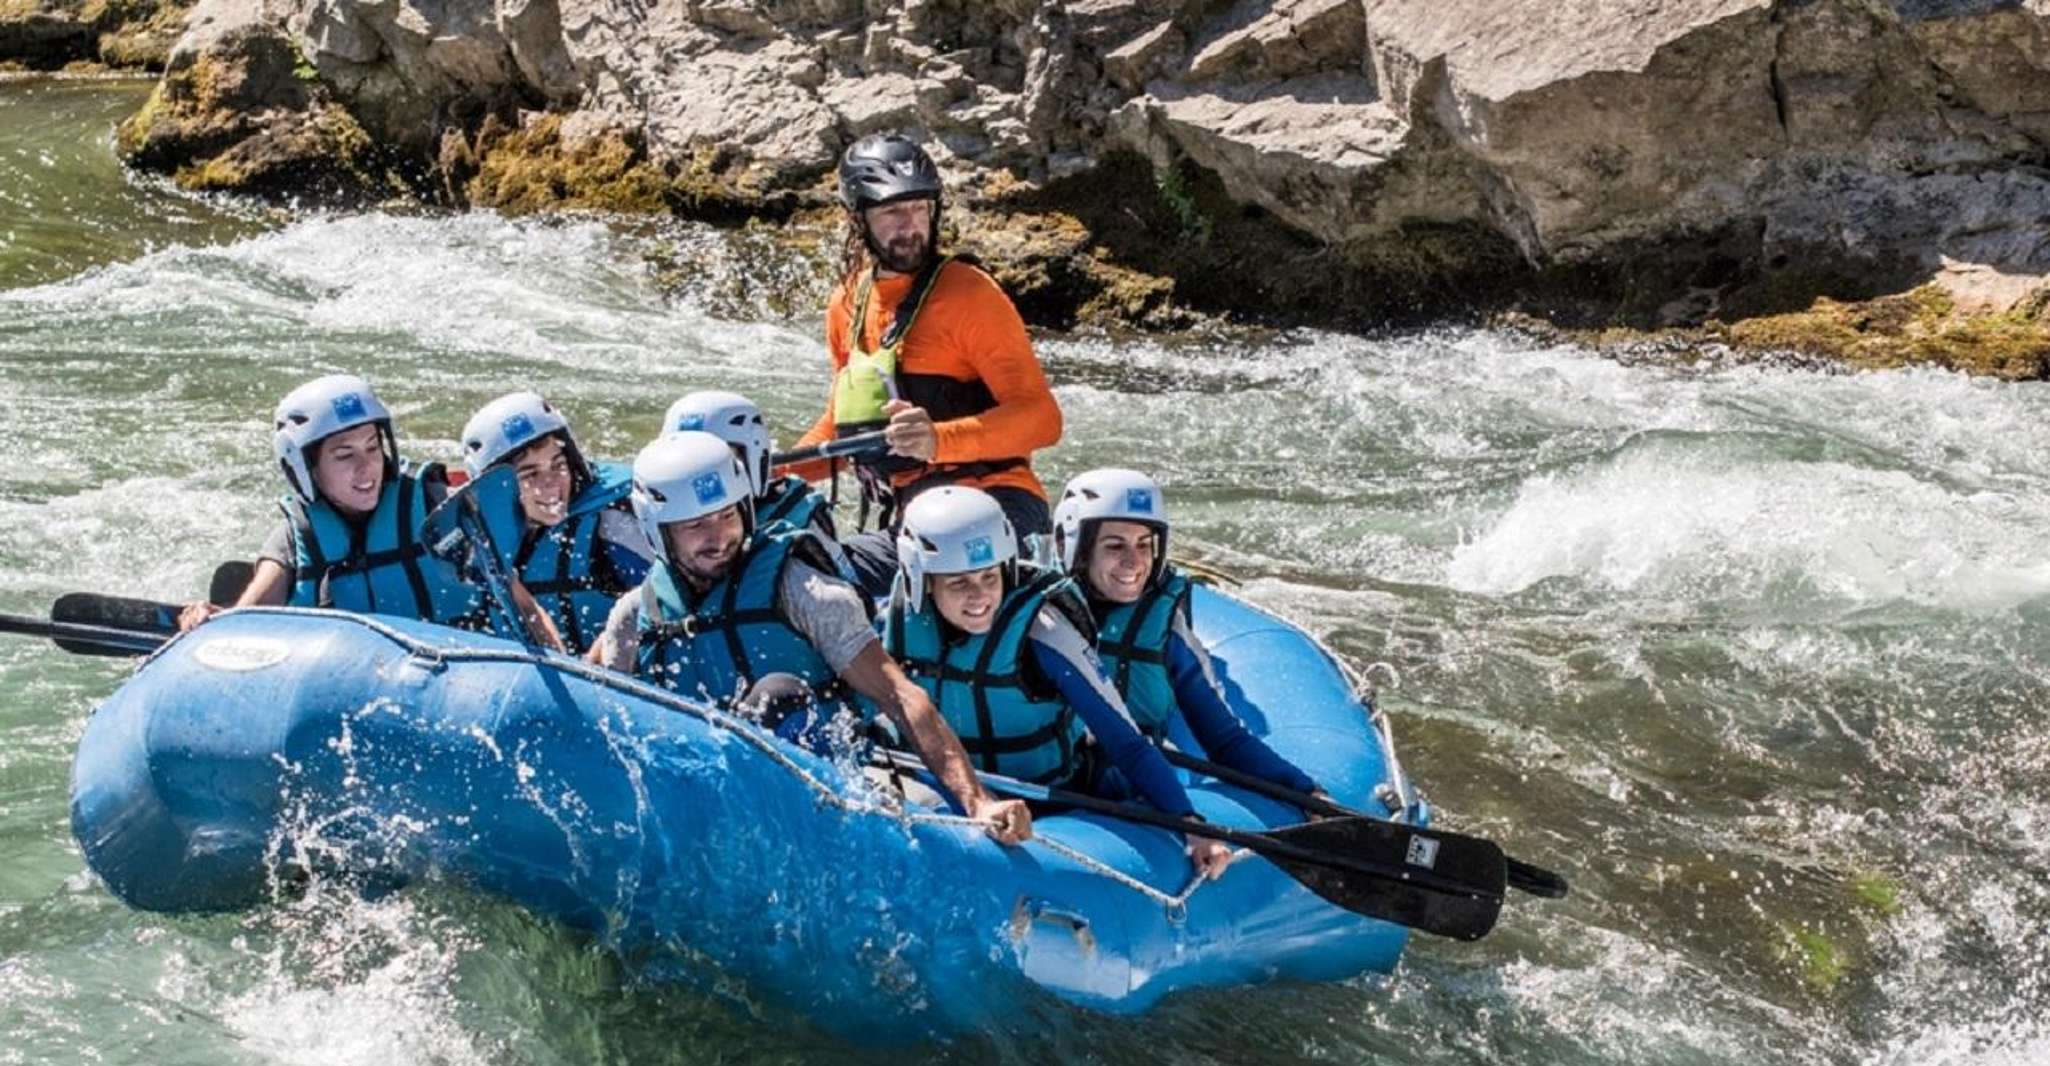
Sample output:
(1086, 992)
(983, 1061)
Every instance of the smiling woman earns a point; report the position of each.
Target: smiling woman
(567, 538)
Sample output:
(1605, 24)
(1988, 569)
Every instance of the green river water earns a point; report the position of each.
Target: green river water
(1759, 657)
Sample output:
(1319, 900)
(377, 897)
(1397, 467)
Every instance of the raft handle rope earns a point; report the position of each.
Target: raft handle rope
(1175, 906)
(1405, 804)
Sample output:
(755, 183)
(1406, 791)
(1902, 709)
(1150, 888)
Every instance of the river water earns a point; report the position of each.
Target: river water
(1758, 656)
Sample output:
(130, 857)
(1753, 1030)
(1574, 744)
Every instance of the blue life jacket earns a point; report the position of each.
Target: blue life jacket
(379, 566)
(791, 500)
(714, 646)
(564, 566)
(1011, 721)
(1131, 639)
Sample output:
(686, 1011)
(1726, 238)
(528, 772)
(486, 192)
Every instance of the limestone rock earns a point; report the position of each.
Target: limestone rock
(1289, 38)
(1662, 159)
(1145, 57)
(45, 33)
(238, 110)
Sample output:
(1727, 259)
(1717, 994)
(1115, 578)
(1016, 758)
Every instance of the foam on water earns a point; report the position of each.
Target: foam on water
(1716, 641)
(1702, 525)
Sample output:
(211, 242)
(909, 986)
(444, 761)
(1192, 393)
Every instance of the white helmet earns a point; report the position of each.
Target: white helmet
(510, 423)
(732, 418)
(687, 475)
(1112, 494)
(320, 409)
(951, 530)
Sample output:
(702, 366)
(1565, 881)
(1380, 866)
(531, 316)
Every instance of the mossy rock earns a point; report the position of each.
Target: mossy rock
(531, 170)
(1922, 327)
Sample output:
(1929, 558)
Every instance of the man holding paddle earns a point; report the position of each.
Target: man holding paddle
(928, 349)
(752, 618)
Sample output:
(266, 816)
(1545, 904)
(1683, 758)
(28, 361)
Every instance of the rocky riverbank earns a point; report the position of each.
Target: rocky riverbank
(1863, 178)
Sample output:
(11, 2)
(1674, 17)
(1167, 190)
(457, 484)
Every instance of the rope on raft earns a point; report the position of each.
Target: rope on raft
(437, 655)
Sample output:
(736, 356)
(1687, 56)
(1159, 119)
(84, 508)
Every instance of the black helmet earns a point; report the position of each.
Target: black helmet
(883, 168)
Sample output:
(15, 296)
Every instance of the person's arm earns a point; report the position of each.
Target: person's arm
(1210, 717)
(540, 627)
(829, 613)
(618, 646)
(1026, 417)
(1082, 686)
(1066, 659)
(269, 586)
(985, 329)
(877, 676)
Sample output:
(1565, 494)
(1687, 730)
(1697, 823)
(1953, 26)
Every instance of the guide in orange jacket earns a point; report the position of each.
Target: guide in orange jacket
(940, 359)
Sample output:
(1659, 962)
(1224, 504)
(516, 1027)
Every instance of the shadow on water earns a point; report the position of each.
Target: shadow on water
(65, 203)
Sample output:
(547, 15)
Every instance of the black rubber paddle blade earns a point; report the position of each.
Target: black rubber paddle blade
(115, 612)
(1455, 883)
(230, 578)
(144, 618)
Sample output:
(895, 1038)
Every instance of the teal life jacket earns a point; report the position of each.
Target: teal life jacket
(564, 566)
(379, 566)
(1131, 640)
(714, 646)
(1011, 721)
(792, 501)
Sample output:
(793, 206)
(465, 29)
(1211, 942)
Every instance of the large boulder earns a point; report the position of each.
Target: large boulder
(1649, 160)
(239, 109)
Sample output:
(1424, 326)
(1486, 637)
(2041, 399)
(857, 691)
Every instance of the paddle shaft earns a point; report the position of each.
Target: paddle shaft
(1259, 843)
(860, 444)
(1524, 876)
(124, 641)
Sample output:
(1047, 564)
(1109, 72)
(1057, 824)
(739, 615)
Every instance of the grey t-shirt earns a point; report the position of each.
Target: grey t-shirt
(827, 611)
(278, 549)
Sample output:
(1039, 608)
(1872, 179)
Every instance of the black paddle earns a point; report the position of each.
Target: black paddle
(230, 578)
(89, 623)
(456, 532)
(1523, 876)
(1437, 883)
(861, 445)
(82, 639)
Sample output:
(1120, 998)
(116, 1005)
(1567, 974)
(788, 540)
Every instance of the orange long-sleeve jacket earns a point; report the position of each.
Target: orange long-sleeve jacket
(969, 331)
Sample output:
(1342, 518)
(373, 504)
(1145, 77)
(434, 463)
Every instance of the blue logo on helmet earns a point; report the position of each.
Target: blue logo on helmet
(980, 551)
(517, 428)
(1140, 500)
(348, 406)
(710, 488)
(690, 422)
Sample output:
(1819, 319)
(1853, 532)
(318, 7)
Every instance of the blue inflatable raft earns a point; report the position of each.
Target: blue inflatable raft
(274, 740)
